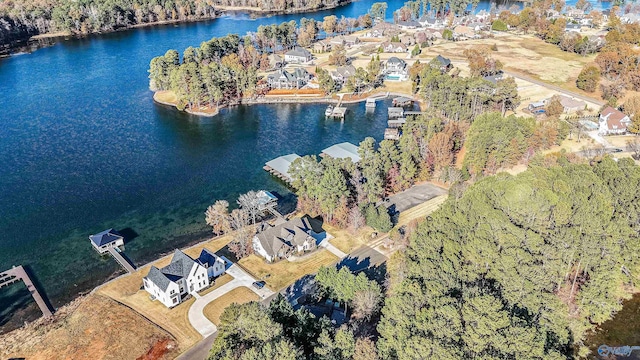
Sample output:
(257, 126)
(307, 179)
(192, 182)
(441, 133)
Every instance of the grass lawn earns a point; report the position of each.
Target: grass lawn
(420, 211)
(127, 290)
(619, 141)
(284, 272)
(239, 295)
(221, 280)
(345, 241)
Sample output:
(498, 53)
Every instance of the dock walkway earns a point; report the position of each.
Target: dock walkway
(19, 273)
(122, 261)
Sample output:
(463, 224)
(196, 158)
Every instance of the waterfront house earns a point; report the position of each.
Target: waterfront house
(214, 264)
(343, 73)
(297, 235)
(298, 55)
(105, 240)
(282, 79)
(442, 63)
(395, 66)
(394, 47)
(613, 122)
(172, 283)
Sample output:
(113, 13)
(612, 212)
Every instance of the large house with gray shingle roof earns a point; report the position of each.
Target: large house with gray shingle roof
(172, 283)
(294, 236)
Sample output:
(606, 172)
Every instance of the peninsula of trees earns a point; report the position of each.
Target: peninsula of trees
(21, 19)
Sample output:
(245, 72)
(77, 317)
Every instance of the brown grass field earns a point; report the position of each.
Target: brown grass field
(223, 279)
(345, 241)
(284, 272)
(239, 295)
(90, 327)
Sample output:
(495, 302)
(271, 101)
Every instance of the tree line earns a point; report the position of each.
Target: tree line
(24, 18)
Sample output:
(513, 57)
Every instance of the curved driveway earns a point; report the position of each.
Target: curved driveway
(196, 311)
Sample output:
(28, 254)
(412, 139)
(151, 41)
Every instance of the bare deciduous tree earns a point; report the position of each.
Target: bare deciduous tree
(366, 303)
(250, 203)
(217, 216)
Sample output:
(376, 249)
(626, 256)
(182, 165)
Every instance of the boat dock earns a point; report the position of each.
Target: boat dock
(279, 167)
(396, 123)
(18, 273)
(371, 103)
(395, 112)
(338, 112)
(118, 255)
(402, 101)
(392, 134)
(342, 151)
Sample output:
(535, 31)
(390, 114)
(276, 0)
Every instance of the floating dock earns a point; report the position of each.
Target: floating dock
(342, 151)
(279, 166)
(338, 112)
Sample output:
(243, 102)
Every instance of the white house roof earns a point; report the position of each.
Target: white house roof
(342, 151)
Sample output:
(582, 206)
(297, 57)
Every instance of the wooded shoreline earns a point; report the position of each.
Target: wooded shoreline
(31, 43)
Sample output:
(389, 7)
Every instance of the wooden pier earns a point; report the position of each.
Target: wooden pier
(18, 273)
(339, 112)
(115, 252)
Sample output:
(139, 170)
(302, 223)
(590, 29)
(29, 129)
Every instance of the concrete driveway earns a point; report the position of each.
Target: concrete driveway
(196, 311)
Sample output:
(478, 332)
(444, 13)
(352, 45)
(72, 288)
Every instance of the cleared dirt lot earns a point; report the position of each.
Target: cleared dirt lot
(91, 327)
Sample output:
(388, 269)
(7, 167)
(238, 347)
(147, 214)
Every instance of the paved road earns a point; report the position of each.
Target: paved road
(196, 311)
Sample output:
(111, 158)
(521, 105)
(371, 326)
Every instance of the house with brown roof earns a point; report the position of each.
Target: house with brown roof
(297, 235)
(613, 122)
(569, 105)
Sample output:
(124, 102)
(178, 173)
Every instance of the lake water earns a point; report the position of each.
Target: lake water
(84, 148)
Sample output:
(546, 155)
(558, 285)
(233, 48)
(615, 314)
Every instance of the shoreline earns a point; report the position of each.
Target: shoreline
(30, 44)
(284, 99)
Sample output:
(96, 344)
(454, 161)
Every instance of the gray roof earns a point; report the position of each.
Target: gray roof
(282, 164)
(291, 233)
(105, 237)
(299, 51)
(342, 151)
(179, 268)
(395, 60)
(265, 197)
(345, 71)
(443, 60)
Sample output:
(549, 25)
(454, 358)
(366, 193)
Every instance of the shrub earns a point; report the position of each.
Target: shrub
(499, 25)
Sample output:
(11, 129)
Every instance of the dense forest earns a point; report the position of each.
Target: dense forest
(512, 267)
(517, 267)
(21, 19)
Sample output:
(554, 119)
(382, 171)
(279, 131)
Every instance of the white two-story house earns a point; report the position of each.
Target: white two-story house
(172, 283)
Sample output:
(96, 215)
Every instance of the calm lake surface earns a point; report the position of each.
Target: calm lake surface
(84, 148)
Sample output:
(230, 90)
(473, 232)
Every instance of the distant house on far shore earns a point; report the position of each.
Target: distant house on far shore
(105, 240)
